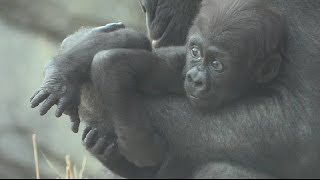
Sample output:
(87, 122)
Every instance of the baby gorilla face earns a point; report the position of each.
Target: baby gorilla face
(213, 76)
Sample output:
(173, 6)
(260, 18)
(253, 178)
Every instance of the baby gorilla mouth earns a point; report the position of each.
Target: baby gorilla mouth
(197, 98)
(200, 102)
(194, 97)
(206, 102)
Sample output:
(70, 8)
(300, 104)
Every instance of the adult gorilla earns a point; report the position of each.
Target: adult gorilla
(277, 133)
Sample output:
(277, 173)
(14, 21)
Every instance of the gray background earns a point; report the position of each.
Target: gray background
(30, 33)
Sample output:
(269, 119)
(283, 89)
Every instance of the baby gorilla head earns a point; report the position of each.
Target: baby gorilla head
(233, 46)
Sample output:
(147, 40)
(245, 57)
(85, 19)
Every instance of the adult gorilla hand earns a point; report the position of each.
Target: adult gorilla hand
(63, 88)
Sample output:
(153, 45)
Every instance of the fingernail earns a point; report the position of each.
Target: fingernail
(75, 127)
(42, 113)
(58, 114)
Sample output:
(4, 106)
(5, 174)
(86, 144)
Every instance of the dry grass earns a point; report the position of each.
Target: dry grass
(71, 169)
(35, 153)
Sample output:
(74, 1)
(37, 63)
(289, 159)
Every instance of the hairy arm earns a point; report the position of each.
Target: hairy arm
(260, 132)
(75, 61)
(165, 74)
(68, 70)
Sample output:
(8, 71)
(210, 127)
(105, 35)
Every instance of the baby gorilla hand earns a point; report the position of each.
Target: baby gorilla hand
(57, 90)
(105, 149)
(101, 147)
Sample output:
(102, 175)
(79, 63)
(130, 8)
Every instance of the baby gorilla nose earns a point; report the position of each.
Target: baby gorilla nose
(197, 80)
(198, 83)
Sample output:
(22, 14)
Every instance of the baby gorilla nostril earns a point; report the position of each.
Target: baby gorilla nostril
(189, 78)
(198, 83)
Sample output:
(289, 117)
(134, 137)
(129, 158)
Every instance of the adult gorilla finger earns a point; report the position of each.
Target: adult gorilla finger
(46, 106)
(85, 132)
(39, 97)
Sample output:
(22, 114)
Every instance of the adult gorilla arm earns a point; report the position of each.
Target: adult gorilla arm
(169, 21)
(278, 132)
(266, 134)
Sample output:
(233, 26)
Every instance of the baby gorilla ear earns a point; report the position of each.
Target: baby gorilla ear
(269, 69)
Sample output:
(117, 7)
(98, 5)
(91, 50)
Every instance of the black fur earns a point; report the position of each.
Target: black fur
(276, 132)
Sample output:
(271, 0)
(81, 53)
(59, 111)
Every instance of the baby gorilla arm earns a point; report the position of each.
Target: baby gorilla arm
(68, 70)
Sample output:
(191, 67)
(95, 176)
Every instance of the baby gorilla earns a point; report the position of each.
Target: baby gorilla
(233, 49)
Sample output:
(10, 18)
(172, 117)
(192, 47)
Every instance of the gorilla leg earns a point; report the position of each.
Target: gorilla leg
(104, 148)
(114, 74)
(226, 171)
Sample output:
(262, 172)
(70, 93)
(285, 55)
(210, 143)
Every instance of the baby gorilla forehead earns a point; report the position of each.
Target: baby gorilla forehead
(241, 27)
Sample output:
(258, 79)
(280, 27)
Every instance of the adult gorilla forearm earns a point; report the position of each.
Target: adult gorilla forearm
(278, 132)
(266, 134)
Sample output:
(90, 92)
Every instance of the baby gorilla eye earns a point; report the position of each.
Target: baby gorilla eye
(195, 52)
(217, 66)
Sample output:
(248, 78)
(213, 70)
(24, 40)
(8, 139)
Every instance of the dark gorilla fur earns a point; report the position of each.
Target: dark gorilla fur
(275, 132)
(123, 77)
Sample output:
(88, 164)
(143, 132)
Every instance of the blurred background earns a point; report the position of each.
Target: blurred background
(30, 34)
